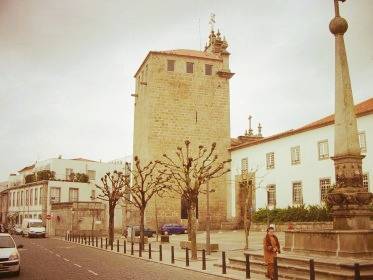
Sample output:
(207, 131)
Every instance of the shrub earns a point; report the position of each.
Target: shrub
(45, 175)
(30, 178)
(312, 213)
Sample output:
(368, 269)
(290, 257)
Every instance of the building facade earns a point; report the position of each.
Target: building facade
(295, 167)
(35, 188)
(180, 95)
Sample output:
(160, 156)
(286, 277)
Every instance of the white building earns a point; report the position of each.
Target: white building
(295, 167)
(36, 187)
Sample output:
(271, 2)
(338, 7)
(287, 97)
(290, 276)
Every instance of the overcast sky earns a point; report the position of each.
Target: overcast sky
(66, 67)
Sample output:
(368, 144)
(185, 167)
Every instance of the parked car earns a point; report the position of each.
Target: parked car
(167, 229)
(3, 228)
(10, 261)
(33, 228)
(147, 231)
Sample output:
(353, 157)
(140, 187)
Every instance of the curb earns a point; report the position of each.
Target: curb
(225, 276)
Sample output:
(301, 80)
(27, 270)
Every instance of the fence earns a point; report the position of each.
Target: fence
(94, 243)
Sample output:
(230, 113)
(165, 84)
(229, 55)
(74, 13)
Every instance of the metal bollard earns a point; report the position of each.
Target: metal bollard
(111, 244)
(150, 250)
(96, 241)
(247, 266)
(132, 248)
(105, 243)
(275, 268)
(101, 242)
(356, 271)
(117, 245)
(140, 250)
(85, 240)
(203, 259)
(186, 257)
(79, 238)
(224, 263)
(312, 269)
(89, 240)
(160, 252)
(124, 247)
(172, 254)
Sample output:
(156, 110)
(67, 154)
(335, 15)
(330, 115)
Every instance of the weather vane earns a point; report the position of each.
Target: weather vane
(212, 21)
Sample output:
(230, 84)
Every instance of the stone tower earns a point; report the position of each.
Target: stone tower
(184, 94)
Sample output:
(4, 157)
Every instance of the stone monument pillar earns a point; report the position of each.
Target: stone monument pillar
(349, 199)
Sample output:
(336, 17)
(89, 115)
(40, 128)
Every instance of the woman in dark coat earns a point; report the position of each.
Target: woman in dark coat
(271, 248)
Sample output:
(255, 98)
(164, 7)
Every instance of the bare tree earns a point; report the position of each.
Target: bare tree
(112, 190)
(147, 182)
(189, 173)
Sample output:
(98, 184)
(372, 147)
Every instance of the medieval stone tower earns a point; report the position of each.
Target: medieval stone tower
(184, 94)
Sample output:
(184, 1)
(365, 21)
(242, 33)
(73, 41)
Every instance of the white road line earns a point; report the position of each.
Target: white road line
(77, 265)
(94, 273)
(66, 259)
(57, 255)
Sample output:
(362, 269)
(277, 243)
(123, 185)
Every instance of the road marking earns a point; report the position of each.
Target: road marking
(66, 259)
(57, 255)
(94, 273)
(77, 265)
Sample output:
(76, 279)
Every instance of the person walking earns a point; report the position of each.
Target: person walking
(271, 248)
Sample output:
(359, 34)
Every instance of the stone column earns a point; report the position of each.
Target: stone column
(349, 199)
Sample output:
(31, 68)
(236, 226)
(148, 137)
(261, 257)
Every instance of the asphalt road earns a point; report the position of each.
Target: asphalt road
(51, 259)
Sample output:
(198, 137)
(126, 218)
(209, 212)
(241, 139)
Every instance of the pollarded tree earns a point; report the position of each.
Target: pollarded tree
(147, 181)
(112, 190)
(189, 173)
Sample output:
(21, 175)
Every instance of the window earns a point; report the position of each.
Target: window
(363, 142)
(271, 195)
(68, 173)
(14, 199)
(270, 160)
(36, 196)
(297, 193)
(21, 198)
(323, 149)
(295, 155)
(91, 175)
(366, 181)
(189, 67)
(31, 196)
(55, 196)
(73, 194)
(26, 198)
(170, 65)
(324, 188)
(244, 165)
(40, 195)
(208, 69)
(17, 198)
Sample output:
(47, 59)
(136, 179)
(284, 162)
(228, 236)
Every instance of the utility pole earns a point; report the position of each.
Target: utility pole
(208, 217)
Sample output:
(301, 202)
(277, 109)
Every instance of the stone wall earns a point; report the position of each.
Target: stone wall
(78, 217)
(172, 107)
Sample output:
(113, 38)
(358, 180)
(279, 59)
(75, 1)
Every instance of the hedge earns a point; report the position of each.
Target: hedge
(312, 213)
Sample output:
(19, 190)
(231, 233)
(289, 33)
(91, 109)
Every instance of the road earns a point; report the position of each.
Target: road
(52, 259)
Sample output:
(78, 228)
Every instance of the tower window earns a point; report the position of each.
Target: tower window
(208, 69)
(170, 65)
(189, 67)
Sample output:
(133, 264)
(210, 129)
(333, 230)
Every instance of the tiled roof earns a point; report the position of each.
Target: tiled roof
(184, 53)
(362, 109)
(83, 159)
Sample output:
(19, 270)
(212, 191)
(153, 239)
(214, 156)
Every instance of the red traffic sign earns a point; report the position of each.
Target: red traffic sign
(48, 217)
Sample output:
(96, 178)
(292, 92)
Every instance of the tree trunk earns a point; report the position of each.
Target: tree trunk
(189, 226)
(247, 216)
(193, 229)
(111, 223)
(142, 219)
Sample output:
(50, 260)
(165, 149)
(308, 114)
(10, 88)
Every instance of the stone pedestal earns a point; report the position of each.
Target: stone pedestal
(339, 243)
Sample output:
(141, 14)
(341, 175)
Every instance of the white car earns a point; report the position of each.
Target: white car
(10, 261)
(33, 228)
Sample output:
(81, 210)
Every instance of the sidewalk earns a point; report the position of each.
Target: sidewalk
(231, 242)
